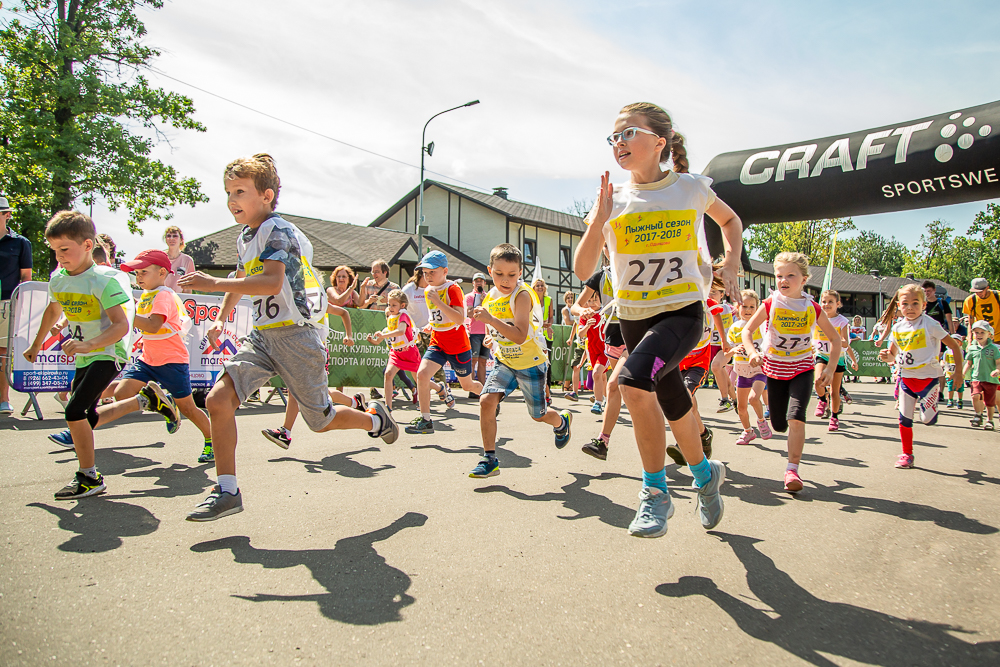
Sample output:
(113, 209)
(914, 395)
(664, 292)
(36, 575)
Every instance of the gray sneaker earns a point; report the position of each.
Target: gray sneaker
(710, 504)
(390, 430)
(655, 507)
(217, 505)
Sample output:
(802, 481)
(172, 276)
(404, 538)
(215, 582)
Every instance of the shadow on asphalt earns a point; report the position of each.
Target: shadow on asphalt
(508, 458)
(816, 458)
(577, 498)
(362, 589)
(100, 523)
(342, 464)
(174, 481)
(807, 626)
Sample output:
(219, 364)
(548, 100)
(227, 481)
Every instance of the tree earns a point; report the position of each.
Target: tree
(810, 237)
(987, 223)
(580, 207)
(868, 251)
(78, 120)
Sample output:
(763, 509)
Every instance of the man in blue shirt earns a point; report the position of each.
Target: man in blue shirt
(15, 268)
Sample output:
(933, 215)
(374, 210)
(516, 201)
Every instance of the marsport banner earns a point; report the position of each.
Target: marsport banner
(949, 158)
(53, 370)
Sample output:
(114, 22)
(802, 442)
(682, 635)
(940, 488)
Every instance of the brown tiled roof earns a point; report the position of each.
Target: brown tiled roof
(854, 283)
(334, 244)
(514, 210)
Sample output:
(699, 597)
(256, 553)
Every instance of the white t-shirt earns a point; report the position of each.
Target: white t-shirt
(417, 307)
(919, 343)
(822, 344)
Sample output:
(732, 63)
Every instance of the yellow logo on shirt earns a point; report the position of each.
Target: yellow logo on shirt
(79, 307)
(792, 321)
(656, 232)
(909, 341)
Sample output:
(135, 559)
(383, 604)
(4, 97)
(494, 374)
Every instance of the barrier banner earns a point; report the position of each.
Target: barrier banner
(869, 364)
(561, 354)
(53, 370)
(362, 364)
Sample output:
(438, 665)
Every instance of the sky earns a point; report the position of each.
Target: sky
(551, 76)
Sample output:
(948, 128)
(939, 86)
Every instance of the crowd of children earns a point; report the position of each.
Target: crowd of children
(651, 322)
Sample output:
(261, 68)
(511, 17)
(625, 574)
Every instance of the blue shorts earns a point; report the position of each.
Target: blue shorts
(478, 349)
(174, 378)
(504, 379)
(461, 363)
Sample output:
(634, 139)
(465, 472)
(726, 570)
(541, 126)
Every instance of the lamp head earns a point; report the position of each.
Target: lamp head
(471, 104)
(429, 148)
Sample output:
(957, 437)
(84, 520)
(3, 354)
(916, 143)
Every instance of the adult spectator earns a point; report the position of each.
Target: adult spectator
(341, 291)
(179, 262)
(375, 289)
(983, 304)
(477, 330)
(15, 268)
(937, 308)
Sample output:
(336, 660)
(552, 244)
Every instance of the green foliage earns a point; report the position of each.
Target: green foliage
(868, 251)
(78, 120)
(811, 237)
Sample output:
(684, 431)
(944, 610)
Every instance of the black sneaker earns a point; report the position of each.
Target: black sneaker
(217, 505)
(674, 452)
(706, 442)
(374, 394)
(278, 436)
(162, 403)
(82, 486)
(389, 430)
(420, 425)
(597, 449)
(359, 398)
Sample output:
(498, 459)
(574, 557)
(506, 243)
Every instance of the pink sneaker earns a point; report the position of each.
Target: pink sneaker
(746, 437)
(904, 461)
(764, 428)
(820, 407)
(834, 424)
(793, 483)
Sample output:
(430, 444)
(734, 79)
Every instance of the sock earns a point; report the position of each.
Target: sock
(605, 438)
(835, 414)
(562, 424)
(208, 442)
(794, 467)
(702, 473)
(143, 401)
(655, 480)
(425, 416)
(90, 472)
(491, 454)
(355, 403)
(376, 424)
(228, 484)
(906, 435)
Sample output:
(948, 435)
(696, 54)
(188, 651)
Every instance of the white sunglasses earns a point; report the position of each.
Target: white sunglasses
(628, 134)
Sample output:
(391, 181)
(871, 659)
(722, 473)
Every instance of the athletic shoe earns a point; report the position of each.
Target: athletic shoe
(374, 394)
(597, 449)
(420, 425)
(597, 408)
(5, 408)
(976, 421)
(359, 398)
(834, 424)
(710, 505)
(60, 400)
(827, 413)
(765, 429)
(725, 405)
(988, 426)
(571, 396)
(846, 395)
(473, 396)
(745, 437)
(62, 438)
(416, 400)
(217, 505)
(706, 442)
(674, 452)
(904, 461)
(278, 436)
(793, 483)
(562, 435)
(820, 407)
(655, 507)
(488, 466)
(961, 404)
(767, 414)
(448, 399)
(951, 403)
(82, 486)
(254, 396)
(162, 403)
(389, 430)
(207, 454)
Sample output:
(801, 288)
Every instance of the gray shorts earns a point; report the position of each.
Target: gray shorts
(296, 354)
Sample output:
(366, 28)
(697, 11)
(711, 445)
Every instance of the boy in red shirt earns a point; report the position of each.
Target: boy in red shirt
(590, 324)
(449, 339)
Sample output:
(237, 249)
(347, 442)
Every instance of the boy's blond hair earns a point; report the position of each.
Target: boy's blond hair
(912, 288)
(747, 293)
(796, 258)
(505, 252)
(72, 225)
(261, 169)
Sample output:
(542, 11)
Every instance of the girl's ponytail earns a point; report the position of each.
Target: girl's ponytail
(678, 154)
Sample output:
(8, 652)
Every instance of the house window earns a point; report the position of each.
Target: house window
(564, 258)
(529, 253)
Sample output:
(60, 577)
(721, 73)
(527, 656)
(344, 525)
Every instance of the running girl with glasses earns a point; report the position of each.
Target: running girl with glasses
(654, 229)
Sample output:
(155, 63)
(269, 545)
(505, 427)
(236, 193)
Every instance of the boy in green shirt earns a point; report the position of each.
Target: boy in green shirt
(983, 357)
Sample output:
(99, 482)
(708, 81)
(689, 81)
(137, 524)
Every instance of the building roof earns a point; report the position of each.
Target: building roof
(853, 283)
(335, 244)
(514, 210)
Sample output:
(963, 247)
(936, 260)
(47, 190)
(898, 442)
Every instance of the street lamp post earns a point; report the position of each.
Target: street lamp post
(877, 276)
(429, 150)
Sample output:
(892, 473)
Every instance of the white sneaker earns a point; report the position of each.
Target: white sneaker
(5, 408)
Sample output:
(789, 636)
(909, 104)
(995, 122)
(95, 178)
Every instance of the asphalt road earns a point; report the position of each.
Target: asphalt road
(351, 551)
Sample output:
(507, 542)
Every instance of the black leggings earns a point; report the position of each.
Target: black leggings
(789, 399)
(656, 346)
(89, 383)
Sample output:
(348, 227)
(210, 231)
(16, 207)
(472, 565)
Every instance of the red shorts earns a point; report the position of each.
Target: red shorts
(715, 349)
(697, 358)
(597, 357)
(987, 390)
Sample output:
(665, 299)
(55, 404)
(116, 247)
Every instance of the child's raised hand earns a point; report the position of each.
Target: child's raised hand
(854, 362)
(431, 293)
(601, 212)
